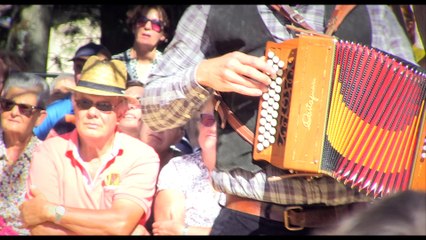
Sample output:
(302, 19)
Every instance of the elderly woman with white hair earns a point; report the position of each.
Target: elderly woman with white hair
(22, 106)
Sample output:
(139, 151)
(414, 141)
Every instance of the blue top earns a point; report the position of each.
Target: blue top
(55, 112)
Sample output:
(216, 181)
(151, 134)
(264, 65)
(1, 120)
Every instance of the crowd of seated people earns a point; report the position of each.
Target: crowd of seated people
(77, 158)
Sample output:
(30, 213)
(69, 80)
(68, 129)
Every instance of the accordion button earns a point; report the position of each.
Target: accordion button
(279, 80)
(278, 89)
(262, 121)
(265, 144)
(267, 135)
(277, 97)
(273, 131)
(260, 147)
(268, 127)
(274, 122)
(275, 67)
(276, 106)
(275, 59)
(271, 54)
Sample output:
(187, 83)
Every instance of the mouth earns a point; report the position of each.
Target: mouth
(146, 34)
(13, 120)
(130, 116)
(91, 125)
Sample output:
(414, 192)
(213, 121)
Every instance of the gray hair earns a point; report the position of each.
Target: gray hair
(30, 82)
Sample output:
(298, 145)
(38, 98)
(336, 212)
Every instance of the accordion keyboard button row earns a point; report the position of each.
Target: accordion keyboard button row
(270, 105)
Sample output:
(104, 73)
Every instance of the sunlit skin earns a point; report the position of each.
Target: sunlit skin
(131, 122)
(13, 121)
(96, 127)
(207, 139)
(146, 39)
(17, 127)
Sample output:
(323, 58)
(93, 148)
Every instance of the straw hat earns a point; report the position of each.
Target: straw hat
(103, 78)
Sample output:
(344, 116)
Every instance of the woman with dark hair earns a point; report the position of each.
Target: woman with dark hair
(148, 24)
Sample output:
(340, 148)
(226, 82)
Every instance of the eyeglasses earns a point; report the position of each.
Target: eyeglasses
(207, 120)
(157, 25)
(26, 109)
(85, 104)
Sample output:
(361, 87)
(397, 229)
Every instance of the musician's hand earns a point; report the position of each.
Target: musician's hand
(235, 72)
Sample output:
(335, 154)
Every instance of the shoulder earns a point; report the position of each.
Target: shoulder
(120, 56)
(56, 141)
(53, 147)
(186, 161)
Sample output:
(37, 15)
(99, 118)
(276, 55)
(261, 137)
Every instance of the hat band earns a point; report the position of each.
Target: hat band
(97, 86)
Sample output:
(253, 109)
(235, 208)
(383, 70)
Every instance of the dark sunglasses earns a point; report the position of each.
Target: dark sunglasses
(27, 109)
(157, 25)
(207, 119)
(85, 104)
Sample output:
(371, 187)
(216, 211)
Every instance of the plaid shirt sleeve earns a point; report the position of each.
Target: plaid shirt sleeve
(172, 95)
(388, 34)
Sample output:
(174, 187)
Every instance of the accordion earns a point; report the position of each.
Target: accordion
(345, 110)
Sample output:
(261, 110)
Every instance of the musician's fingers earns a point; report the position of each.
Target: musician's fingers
(257, 68)
(241, 84)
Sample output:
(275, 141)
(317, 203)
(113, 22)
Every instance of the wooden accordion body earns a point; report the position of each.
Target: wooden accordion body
(349, 111)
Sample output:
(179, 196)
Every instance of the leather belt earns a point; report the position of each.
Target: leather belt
(296, 217)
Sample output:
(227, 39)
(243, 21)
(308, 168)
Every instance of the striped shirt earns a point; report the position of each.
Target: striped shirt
(172, 96)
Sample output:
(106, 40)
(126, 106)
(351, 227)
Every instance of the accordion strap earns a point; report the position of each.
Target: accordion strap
(292, 15)
(339, 13)
(226, 115)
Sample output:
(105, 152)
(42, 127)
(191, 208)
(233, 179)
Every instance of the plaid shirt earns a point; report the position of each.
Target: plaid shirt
(172, 96)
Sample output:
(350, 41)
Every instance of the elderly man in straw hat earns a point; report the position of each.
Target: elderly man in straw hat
(94, 180)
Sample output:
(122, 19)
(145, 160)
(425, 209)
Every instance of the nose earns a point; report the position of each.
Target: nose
(15, 110)
(150, 24)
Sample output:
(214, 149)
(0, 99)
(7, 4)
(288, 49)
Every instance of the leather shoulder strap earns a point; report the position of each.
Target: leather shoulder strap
(339, 13)
(292, 15)
(227, 116)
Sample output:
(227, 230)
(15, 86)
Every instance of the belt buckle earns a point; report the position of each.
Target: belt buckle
(287, 220)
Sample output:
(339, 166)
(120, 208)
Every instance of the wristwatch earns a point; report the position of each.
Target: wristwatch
(59, 213)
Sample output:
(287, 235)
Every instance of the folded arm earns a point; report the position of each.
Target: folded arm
(121, 219)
